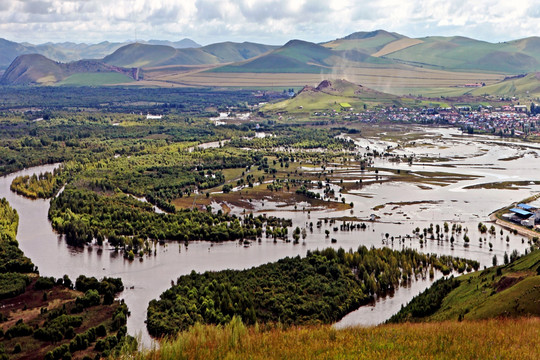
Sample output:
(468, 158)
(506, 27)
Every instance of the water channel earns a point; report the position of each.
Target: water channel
(147, 278)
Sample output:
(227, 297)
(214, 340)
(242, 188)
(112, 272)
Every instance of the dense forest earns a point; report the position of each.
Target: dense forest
(126, 222)
(319, 288)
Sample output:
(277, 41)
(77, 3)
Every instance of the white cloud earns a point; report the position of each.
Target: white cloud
(269, 21)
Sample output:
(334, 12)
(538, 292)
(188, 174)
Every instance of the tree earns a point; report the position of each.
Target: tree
(495, 260)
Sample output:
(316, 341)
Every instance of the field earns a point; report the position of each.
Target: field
(492, 339)
(387, 79)
(95, 79)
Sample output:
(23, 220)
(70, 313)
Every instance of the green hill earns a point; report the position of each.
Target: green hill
(511, 290)
(144, 55)
(521, 85)
(368, 42)
(460, 53)
(233, 52)
(37, 69)
(329, 96)
(296, 56)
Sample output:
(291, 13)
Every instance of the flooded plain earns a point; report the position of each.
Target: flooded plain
(398, 206)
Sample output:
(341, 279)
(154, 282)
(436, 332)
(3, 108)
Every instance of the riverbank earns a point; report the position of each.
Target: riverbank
(497, 218)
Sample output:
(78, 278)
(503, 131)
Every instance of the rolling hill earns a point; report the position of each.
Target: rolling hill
(460, 53)
(37, 69)
(144, 55)
(299, 56)
(69, 51)
(368, 42)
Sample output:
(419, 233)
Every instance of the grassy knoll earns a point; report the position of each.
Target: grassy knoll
(510, 290)
(491, 339)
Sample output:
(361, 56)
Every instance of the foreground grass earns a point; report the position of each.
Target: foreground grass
(488, 339)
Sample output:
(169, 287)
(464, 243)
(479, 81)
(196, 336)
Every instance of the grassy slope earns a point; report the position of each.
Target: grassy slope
(485, 294)
(95, 79)
(459, 53)
(294, 57)
(529, 84)
(368, 42)
(492, 339)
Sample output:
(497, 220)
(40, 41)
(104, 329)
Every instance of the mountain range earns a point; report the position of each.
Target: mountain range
(69, 51)
(358, 55)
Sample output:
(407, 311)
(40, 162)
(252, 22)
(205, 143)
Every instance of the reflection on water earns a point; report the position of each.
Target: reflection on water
(147, 278)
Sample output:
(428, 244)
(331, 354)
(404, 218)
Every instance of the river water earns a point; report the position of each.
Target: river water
(146, 279)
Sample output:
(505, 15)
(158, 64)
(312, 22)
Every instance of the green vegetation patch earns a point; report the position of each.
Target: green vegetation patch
(510, 290)
(95, 79)
(12, 284)
(319, 288)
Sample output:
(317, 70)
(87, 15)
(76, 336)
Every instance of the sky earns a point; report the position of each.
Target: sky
(264, 21)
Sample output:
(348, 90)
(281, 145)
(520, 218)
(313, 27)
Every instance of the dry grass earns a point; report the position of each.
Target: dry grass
(491, 339)
(396, 46)
(380, 78)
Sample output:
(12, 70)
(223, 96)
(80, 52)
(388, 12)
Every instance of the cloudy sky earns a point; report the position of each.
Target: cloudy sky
(265, 21)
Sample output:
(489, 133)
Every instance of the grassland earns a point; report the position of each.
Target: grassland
(395, 79)
(95, 79)
(491, 339)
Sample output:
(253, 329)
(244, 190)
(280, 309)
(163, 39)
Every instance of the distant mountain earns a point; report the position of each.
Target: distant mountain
(144, 55)
(69, 51)
(9, 50)
(37, 69)
(182, 44)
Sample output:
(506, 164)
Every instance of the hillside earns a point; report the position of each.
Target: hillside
(520, 85)
(368, 42)
(329, 95)
(299, 56)
(9, 50)
(37, 69)
(460, 53)
(511, 290)
(145, 55)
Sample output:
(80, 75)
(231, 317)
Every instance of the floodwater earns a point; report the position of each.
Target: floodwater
(147, 278)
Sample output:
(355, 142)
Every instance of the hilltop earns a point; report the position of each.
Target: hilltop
(337, 95)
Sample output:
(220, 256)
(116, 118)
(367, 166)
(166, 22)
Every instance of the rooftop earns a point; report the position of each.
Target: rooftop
(521, 212)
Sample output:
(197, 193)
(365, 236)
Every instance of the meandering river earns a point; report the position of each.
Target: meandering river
(146, 279)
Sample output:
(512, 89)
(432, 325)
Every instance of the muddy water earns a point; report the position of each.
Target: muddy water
(147, 278)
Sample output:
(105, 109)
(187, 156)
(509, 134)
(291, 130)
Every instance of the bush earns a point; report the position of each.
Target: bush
(90, 298)
(18, 330)
(44, 283)
(12, 284)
